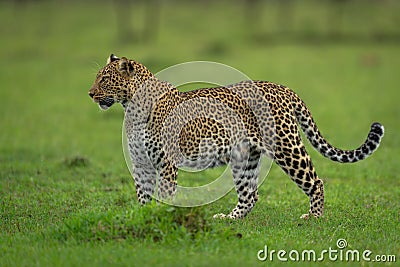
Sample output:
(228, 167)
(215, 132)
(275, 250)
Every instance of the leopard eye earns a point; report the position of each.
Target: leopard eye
(104, 78)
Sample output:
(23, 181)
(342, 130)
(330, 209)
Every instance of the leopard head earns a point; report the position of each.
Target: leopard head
(118, 81)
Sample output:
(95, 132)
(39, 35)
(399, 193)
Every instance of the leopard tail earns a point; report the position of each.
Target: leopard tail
(311, 131)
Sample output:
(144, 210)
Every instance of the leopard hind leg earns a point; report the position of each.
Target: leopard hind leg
(297, 164)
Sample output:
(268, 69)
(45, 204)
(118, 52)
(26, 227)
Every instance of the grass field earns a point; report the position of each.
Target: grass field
(66, 195)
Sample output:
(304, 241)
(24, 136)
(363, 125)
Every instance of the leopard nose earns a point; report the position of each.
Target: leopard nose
(93, 91)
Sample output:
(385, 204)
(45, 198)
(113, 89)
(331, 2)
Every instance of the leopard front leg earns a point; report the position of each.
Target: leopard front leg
(143, 171)
(245, 165)
(167, 185)
(145, 182)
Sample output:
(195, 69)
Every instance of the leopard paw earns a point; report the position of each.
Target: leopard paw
(219, 216)
(305, 216)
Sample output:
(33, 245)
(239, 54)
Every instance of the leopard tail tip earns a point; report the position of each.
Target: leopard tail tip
(378, 129)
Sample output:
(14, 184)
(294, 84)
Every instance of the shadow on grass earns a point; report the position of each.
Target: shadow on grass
(153, 222)
(76, 162)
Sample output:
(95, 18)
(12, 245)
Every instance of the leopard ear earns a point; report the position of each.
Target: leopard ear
(111, 59)
(125, 67)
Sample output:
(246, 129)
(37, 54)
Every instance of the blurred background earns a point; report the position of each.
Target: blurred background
(341, 56)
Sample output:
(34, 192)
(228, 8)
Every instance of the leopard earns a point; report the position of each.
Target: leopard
(234, 125)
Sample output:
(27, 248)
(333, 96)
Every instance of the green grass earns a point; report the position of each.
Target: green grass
(66, 195)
